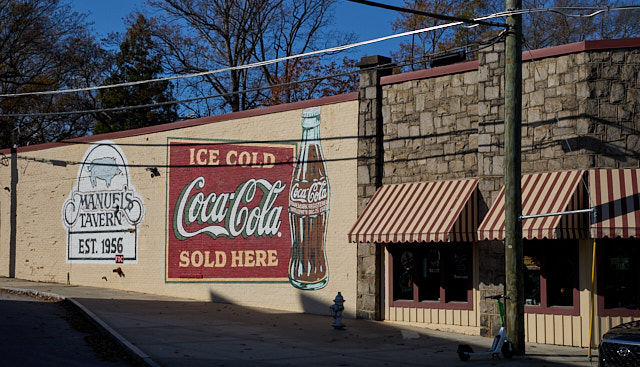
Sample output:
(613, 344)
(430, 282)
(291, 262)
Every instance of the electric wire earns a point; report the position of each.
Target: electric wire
(407, 62)
(563, 10)
(390, 65)
(323, 51)
(248, 66)
(240, 67)
(509, 12)
(427, 14)
(159, 104)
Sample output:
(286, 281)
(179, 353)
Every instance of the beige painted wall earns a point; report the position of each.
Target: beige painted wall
(43, 189)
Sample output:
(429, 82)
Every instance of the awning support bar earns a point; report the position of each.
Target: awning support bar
(590, 210)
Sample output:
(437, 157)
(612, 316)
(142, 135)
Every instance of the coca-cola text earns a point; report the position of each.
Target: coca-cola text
(229, 214)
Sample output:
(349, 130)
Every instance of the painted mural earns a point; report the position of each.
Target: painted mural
(227, 210)
(309, 209)
(247, 212)
(103, 211)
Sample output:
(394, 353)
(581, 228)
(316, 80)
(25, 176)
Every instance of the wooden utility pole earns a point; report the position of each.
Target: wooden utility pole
(512, 171)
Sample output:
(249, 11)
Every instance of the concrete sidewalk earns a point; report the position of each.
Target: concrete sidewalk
(165, 331)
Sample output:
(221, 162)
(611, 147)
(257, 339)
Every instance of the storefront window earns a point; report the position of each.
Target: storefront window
(618, 284)
(431, 274)
(532, 264)
(551, 276)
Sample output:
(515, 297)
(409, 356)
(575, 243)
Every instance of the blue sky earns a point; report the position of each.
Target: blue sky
(364, 21)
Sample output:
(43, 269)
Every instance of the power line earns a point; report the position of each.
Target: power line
(210, 72)
(412, 61)
(427, 14)
(564, 10)
(247, 66)
(406, 62)
(559, 10)
(156, 105)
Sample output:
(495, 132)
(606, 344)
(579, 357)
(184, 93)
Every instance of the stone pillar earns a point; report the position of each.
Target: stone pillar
(491, 173)
(370, 161)
(491, 119)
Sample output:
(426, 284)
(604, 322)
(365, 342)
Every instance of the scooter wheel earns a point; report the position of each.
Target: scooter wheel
(463, 352)
(507, 349)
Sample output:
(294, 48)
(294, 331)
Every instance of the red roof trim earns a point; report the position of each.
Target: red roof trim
(195, 122)
(430, 73)
(581, 46)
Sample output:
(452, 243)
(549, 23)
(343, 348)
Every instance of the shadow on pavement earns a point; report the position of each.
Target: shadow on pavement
(197, 333)
(51, 332)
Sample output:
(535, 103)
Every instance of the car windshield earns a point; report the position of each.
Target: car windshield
(626, 337)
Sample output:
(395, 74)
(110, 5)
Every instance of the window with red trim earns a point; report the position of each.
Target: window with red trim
(551, 276)
(618, 262)
(431, 275)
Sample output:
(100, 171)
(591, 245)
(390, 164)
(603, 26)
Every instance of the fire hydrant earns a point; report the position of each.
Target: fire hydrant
(337, 309)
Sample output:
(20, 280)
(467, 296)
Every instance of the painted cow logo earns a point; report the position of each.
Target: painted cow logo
(105, 169)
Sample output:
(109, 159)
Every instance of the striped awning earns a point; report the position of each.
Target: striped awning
(615, 194)
(543, 193)
(419, 212)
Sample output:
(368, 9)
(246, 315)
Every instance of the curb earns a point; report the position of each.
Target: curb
(134, 351)
(34, 294)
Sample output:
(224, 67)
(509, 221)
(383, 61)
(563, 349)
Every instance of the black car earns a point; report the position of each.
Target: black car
(620, 346)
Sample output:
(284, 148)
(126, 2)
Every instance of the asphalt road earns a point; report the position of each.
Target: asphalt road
(46, 332)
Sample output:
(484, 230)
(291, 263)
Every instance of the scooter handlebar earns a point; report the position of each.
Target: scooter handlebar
(497, 296)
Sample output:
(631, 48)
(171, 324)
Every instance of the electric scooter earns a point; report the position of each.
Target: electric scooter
(501, 342)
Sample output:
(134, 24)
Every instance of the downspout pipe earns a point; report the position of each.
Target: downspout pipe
(14, 212)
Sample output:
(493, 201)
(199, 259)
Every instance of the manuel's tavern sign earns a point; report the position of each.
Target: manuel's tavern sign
(103, 211)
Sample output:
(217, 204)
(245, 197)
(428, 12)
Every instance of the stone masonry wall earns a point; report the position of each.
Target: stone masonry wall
(370, 262)
(430, 129)
(580, 111)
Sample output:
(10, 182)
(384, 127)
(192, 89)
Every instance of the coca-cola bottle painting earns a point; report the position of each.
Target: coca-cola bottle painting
(309, 209)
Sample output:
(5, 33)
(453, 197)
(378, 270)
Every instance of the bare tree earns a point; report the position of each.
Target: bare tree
(568, 22)
(136, 60)
(564, 22)
(298, 27)
(45, 46)
(204, 35)
(422, 46)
